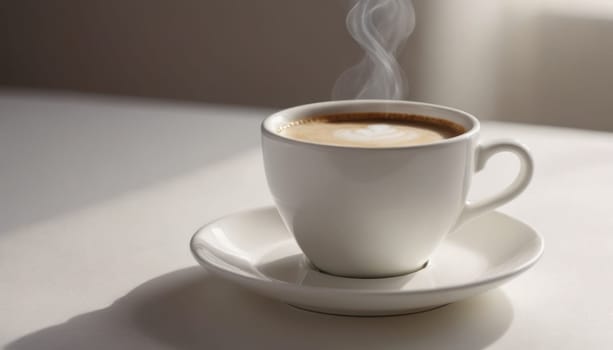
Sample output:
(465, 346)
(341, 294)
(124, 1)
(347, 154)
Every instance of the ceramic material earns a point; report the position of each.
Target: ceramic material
(374, 212)
(255, 250)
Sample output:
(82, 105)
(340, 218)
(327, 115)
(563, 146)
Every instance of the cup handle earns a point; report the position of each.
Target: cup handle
(482, 154)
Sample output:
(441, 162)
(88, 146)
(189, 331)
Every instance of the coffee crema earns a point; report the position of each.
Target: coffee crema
(371, 130)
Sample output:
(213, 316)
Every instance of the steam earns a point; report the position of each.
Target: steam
(380, 27)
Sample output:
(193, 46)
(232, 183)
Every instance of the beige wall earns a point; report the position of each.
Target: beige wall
(538, 61)
(545, 61)
(564, 74)
(265, 52)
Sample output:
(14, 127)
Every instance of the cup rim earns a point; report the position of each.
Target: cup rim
(268, 131)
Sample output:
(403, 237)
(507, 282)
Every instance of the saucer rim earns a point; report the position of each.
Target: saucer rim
(264, 280)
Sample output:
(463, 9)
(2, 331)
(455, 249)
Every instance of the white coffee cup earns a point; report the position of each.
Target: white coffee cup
(377, 212)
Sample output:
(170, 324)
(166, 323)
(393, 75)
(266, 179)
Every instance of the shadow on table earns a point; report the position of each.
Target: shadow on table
(188, 309)
(65, 152)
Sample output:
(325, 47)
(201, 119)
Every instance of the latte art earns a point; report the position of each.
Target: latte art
(373, 130)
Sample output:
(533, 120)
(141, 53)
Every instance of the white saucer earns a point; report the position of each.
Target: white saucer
(254, 249)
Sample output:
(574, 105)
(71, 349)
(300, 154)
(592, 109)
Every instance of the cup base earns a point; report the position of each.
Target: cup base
(314, 267)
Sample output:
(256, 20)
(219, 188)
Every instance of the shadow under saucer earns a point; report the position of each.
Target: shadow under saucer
(190, 309)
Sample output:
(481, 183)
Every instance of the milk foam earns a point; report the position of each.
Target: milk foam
(375, 132)
(371, 130)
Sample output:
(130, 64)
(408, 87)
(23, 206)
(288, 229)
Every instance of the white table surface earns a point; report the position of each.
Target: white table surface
(99, 197)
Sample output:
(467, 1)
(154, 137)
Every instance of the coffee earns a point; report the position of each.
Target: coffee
(375, 130)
